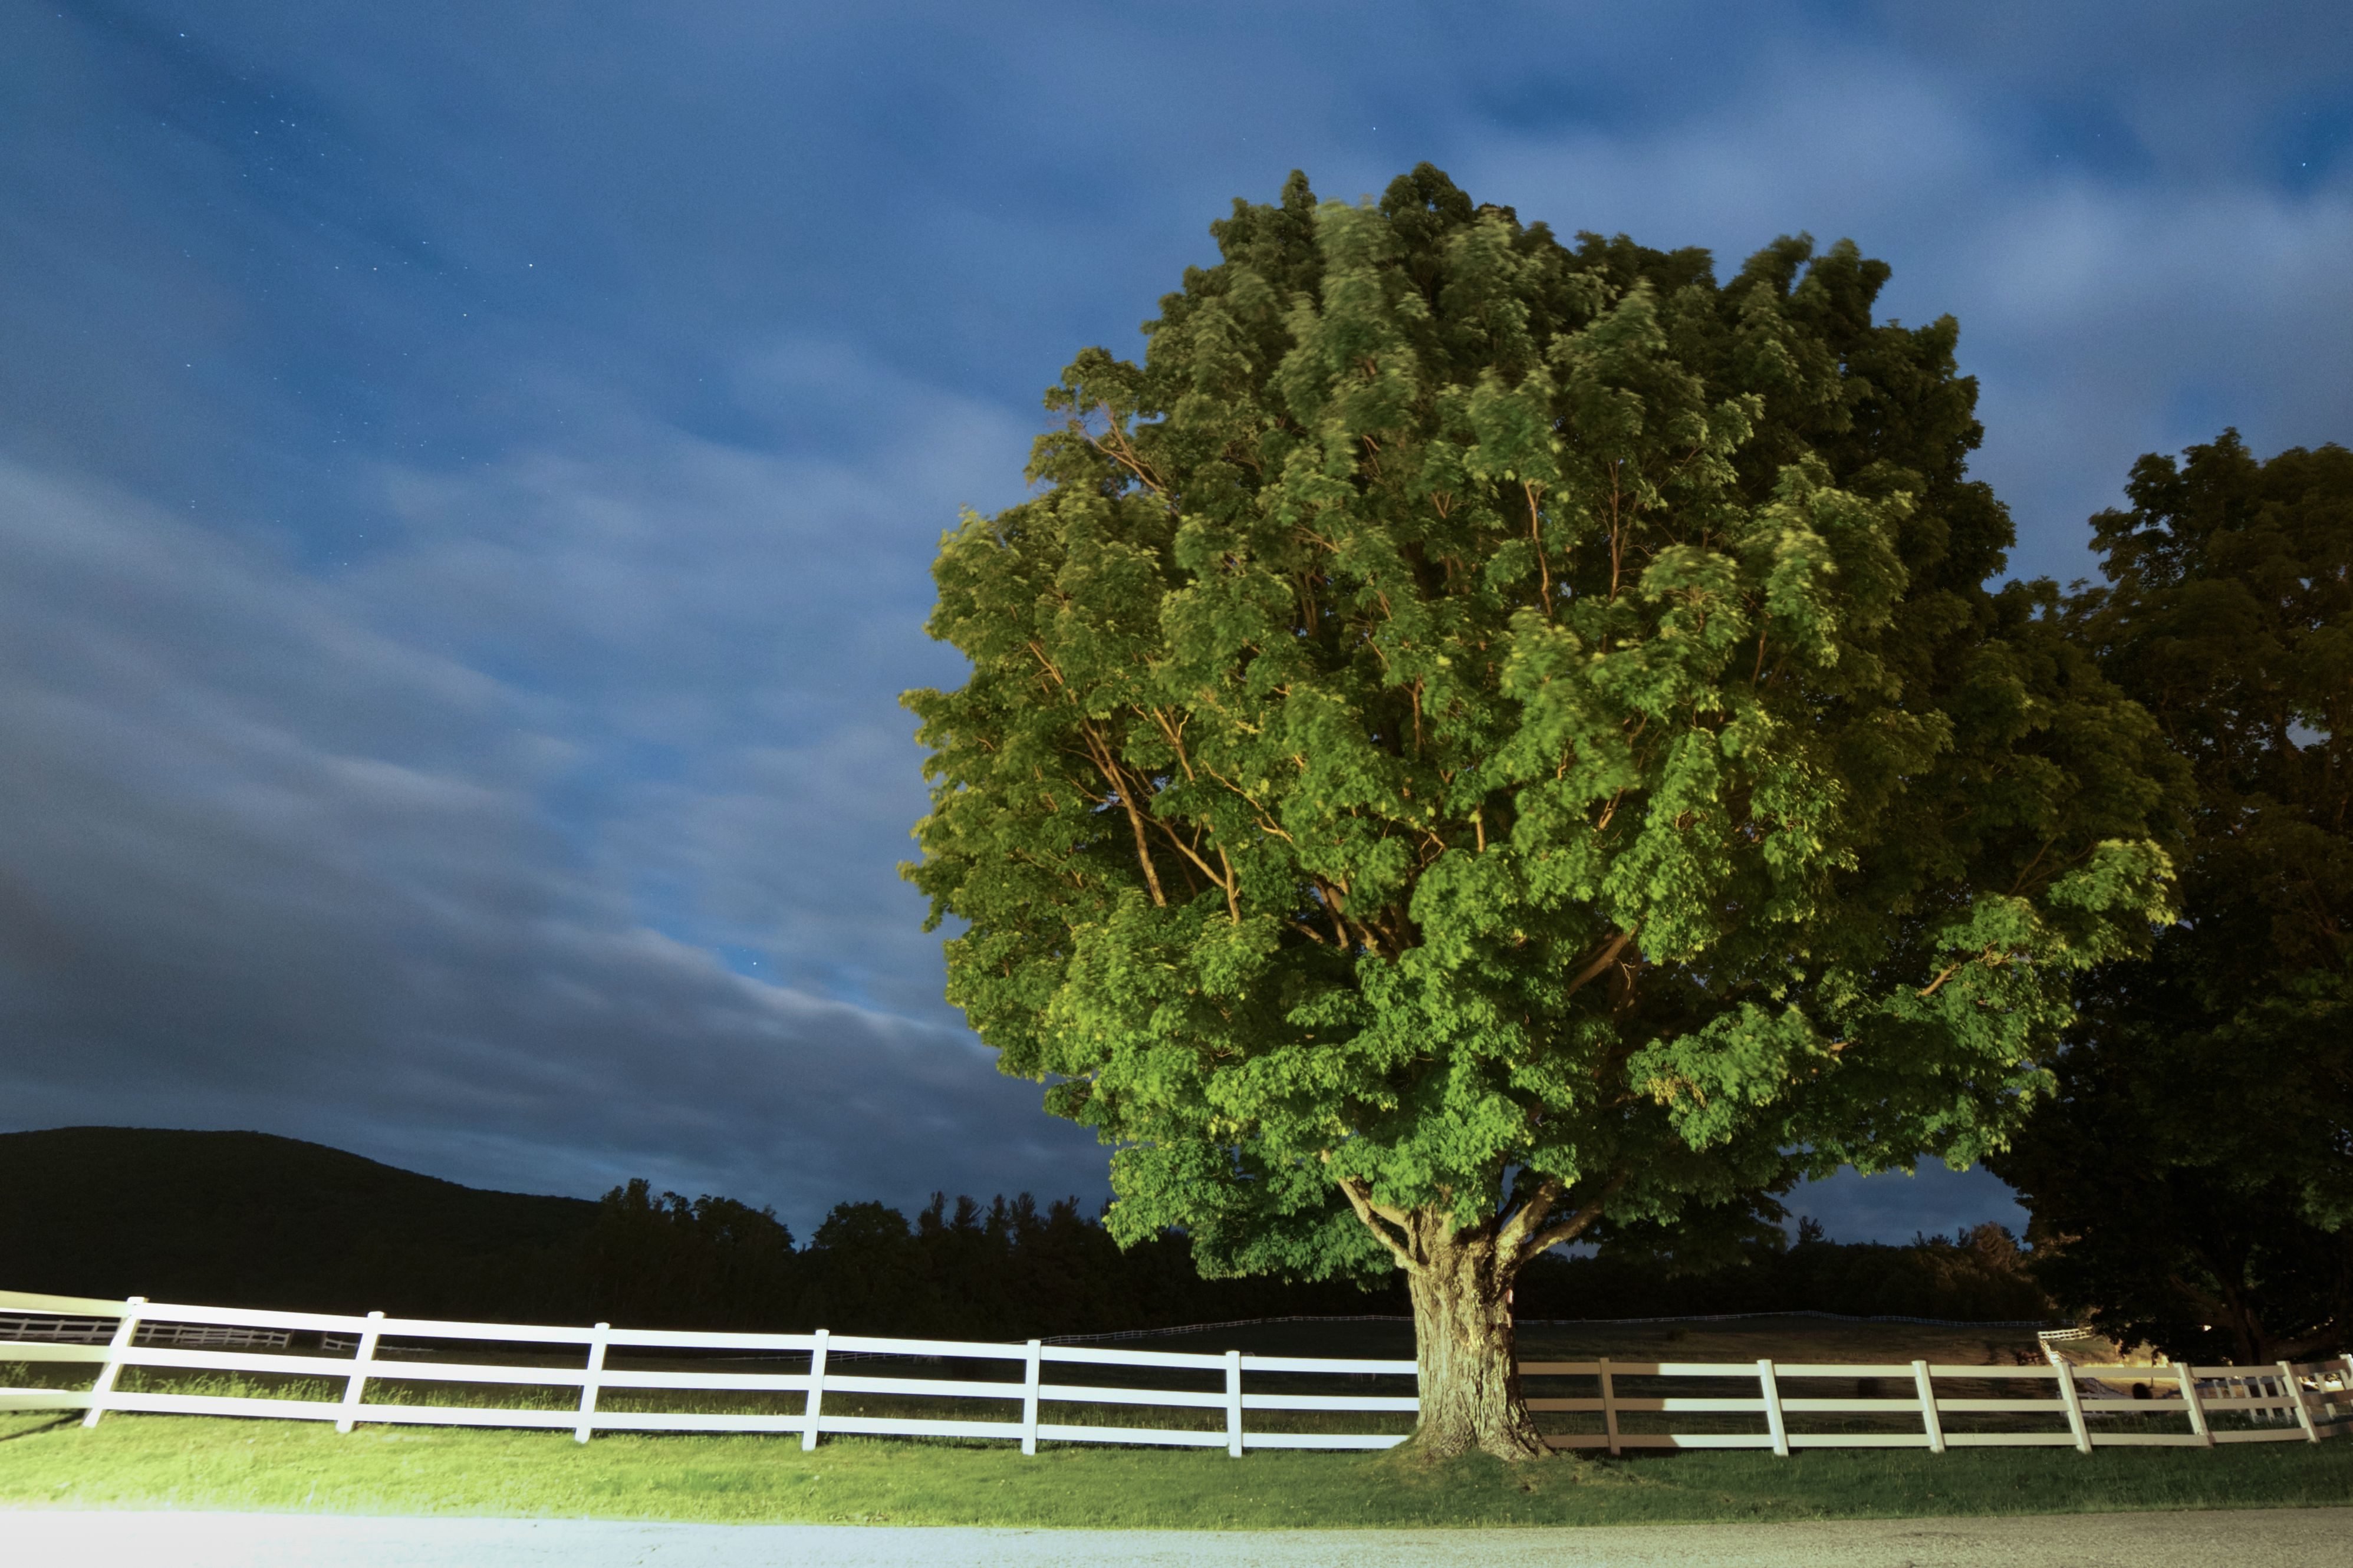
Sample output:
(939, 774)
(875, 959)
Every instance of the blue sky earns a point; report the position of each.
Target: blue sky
(467, 475)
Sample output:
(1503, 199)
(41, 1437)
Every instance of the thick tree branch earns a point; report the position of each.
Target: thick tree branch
(1595, 966)
(1385, 1231)
(1174, 729)
(1048, 665)
(1266, 824)
(1226, 881)
(1168, 830)
(1569, 1229)
(1100, 750)
(1572, 1227)
(1339, 926)
(1334, 907)
(2019, 883)
(1528, 1216)
(1114, 444)
(1535, 537)
(1931, 988)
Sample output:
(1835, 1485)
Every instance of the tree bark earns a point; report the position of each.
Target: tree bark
(1470, 1396)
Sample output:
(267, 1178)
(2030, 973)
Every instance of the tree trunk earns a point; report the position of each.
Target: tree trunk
(1471, 1394)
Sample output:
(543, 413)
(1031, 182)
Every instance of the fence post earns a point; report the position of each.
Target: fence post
(1773, 1423)
(2198, 1426)
(1030, 1402)
(1608, 1403)
(1234, 1403)
(1930, 1422)
(588, 1383)
(2293, 1386)
(361, 1359)
(2075, 1398)
(125, 1327)
(815, 1392)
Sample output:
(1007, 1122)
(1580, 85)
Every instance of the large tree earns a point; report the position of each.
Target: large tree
(1476, 736)
(2192, 1181)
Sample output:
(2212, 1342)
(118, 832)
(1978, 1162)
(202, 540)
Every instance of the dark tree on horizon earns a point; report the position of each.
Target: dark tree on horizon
(2192, 1182)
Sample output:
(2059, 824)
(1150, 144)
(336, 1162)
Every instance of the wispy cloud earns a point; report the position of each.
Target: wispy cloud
(269, 867)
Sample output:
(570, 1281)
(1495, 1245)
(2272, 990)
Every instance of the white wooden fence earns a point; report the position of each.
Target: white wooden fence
(1633, 1405)
(2091, 1406)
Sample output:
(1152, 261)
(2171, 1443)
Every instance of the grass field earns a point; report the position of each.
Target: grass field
(190, 1462)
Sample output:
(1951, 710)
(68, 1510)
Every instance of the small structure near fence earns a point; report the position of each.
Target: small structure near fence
(352, 1370)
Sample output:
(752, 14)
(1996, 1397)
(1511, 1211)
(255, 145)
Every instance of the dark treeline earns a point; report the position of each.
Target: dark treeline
(1010, 1269)
(1982, 1277)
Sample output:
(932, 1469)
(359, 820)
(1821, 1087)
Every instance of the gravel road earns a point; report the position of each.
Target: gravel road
(2273, 1538)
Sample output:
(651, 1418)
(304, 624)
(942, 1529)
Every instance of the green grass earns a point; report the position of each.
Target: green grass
(193, 1462)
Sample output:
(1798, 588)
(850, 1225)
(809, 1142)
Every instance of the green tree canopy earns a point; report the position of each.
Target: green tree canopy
(1476, 735)
(2194, 1176)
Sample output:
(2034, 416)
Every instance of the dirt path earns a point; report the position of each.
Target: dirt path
(2275, 1537)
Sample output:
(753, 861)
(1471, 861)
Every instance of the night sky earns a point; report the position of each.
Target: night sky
(469, 474)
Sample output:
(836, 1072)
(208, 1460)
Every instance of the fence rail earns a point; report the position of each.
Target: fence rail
(2085, 1407)
(327, 1366)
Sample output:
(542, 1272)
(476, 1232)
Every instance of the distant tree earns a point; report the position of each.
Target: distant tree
(2193, 1179)
(861, 1267)
(1478, 737)
(666, 1261)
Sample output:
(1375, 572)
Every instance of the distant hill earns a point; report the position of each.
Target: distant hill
(250, 1219)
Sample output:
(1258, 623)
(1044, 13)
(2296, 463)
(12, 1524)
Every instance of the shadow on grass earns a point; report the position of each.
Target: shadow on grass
(35, 1431)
